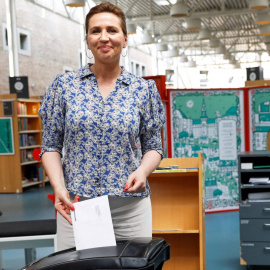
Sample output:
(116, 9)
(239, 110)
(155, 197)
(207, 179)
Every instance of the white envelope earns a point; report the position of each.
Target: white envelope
(92, 224)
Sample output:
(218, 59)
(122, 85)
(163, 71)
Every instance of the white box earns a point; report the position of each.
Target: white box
(246, 166)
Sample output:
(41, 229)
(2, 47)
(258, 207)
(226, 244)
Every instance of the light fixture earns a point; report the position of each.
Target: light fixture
(214, 43)
(179, 9)
(173, 52)
(204, 34)
(237, 65)
(191, 63)
(75, 3)
(193, 24)
(131, 29)
(232, 61)
(147, 38)
(162, 47)
(266, 39)
(227, 56)
(258, 4)
(263, 18)
(265, 30)
(183, 59)
(221, 50)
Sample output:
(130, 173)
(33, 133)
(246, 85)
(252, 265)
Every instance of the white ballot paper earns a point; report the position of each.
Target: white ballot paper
(92, 223)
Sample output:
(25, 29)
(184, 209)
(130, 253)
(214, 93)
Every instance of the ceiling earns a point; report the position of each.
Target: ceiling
(230, 21)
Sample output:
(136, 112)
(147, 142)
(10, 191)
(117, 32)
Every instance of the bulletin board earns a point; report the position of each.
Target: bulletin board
(259, 117)
(210, 122)
(6, 136)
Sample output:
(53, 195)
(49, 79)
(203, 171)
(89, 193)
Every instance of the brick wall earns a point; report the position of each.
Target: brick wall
(55, 44)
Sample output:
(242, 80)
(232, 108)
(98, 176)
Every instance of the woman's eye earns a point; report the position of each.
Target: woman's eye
(94, 31)
(112, 31)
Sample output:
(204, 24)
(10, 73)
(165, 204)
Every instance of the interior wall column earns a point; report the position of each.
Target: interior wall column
(12, 38)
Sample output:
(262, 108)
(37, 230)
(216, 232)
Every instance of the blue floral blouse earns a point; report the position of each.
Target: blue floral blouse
(104, 139)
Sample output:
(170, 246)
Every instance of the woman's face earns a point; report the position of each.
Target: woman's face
(105, 37)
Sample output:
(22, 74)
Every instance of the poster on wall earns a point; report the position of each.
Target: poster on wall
(6, 136)
(259, 117)
(165, 134)
(211, 122)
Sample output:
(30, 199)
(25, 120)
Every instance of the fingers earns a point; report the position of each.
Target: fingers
(76, 199)
(134, 185)
(63, 204)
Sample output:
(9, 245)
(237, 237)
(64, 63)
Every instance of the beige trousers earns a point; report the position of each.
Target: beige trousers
(131, 217)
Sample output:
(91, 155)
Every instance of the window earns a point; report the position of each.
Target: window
(137, 69)
(67, 69)
(24, 41)
(24, 44)
(4, 36)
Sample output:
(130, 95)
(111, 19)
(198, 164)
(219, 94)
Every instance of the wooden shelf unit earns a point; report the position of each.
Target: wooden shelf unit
(178, 212)
(25, 121)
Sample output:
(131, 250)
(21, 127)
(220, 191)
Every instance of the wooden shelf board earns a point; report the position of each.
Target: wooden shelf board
(188, 173)
(28, 115)
(29, 184)
(174, 231)
(29, 131)
(29, 100)
(29, 147)
(30, 162)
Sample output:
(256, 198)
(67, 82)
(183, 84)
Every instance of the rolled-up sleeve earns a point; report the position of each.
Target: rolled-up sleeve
(153, 118)
(52, 116)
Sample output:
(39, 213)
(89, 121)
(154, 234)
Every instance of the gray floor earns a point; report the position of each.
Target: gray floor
(222, 229)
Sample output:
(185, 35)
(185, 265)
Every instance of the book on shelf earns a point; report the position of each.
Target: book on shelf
(22, 124)
(27, 140)
(32, 174)
(22, 109)
(26, 155)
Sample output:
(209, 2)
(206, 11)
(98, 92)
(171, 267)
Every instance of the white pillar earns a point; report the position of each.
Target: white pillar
(83, 40)
(12, 38)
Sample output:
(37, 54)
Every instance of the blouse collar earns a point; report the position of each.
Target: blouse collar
(125, 76)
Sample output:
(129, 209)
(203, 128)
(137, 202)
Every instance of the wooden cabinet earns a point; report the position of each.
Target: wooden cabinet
(178, 211)
(21, 170)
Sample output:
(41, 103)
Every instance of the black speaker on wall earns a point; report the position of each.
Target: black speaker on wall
(254, 73)
(19, 85)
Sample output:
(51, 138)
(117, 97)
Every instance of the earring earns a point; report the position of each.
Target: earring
(125, 53)
(88, 56)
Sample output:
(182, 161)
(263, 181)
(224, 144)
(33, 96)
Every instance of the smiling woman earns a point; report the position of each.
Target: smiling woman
(109, 121)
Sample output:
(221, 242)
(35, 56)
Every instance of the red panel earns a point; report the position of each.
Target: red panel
(161, 86)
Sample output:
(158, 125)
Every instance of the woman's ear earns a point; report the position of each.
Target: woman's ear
(125, 42)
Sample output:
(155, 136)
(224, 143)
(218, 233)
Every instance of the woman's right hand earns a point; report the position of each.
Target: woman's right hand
(63, 204)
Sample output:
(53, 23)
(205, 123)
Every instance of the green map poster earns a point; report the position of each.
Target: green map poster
(211, 122)
(259, 117)
(6, 136)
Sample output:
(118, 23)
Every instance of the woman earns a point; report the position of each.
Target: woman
(109, 121)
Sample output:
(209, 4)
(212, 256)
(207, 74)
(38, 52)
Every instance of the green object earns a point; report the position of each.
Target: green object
(6, 136)
(260, 167)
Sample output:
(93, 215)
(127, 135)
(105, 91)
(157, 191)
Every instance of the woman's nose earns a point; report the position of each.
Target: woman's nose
(104, 36)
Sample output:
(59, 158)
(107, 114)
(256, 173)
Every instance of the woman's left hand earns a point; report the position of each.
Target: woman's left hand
(136, 182)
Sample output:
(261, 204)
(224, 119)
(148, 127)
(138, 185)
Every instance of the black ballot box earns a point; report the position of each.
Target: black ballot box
(144, 253)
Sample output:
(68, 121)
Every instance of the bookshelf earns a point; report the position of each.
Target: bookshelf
(178, 211)
(21, 170)
(254, 207)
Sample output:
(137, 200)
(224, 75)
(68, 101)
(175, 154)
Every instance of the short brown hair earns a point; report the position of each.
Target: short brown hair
(107, 7)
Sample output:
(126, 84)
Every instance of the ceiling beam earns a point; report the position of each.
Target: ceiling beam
(201, 14)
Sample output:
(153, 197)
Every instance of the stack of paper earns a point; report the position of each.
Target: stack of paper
(259, 180)
(259, 196)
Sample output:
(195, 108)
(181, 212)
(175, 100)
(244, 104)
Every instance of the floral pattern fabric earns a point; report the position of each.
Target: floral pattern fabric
(104, 139)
